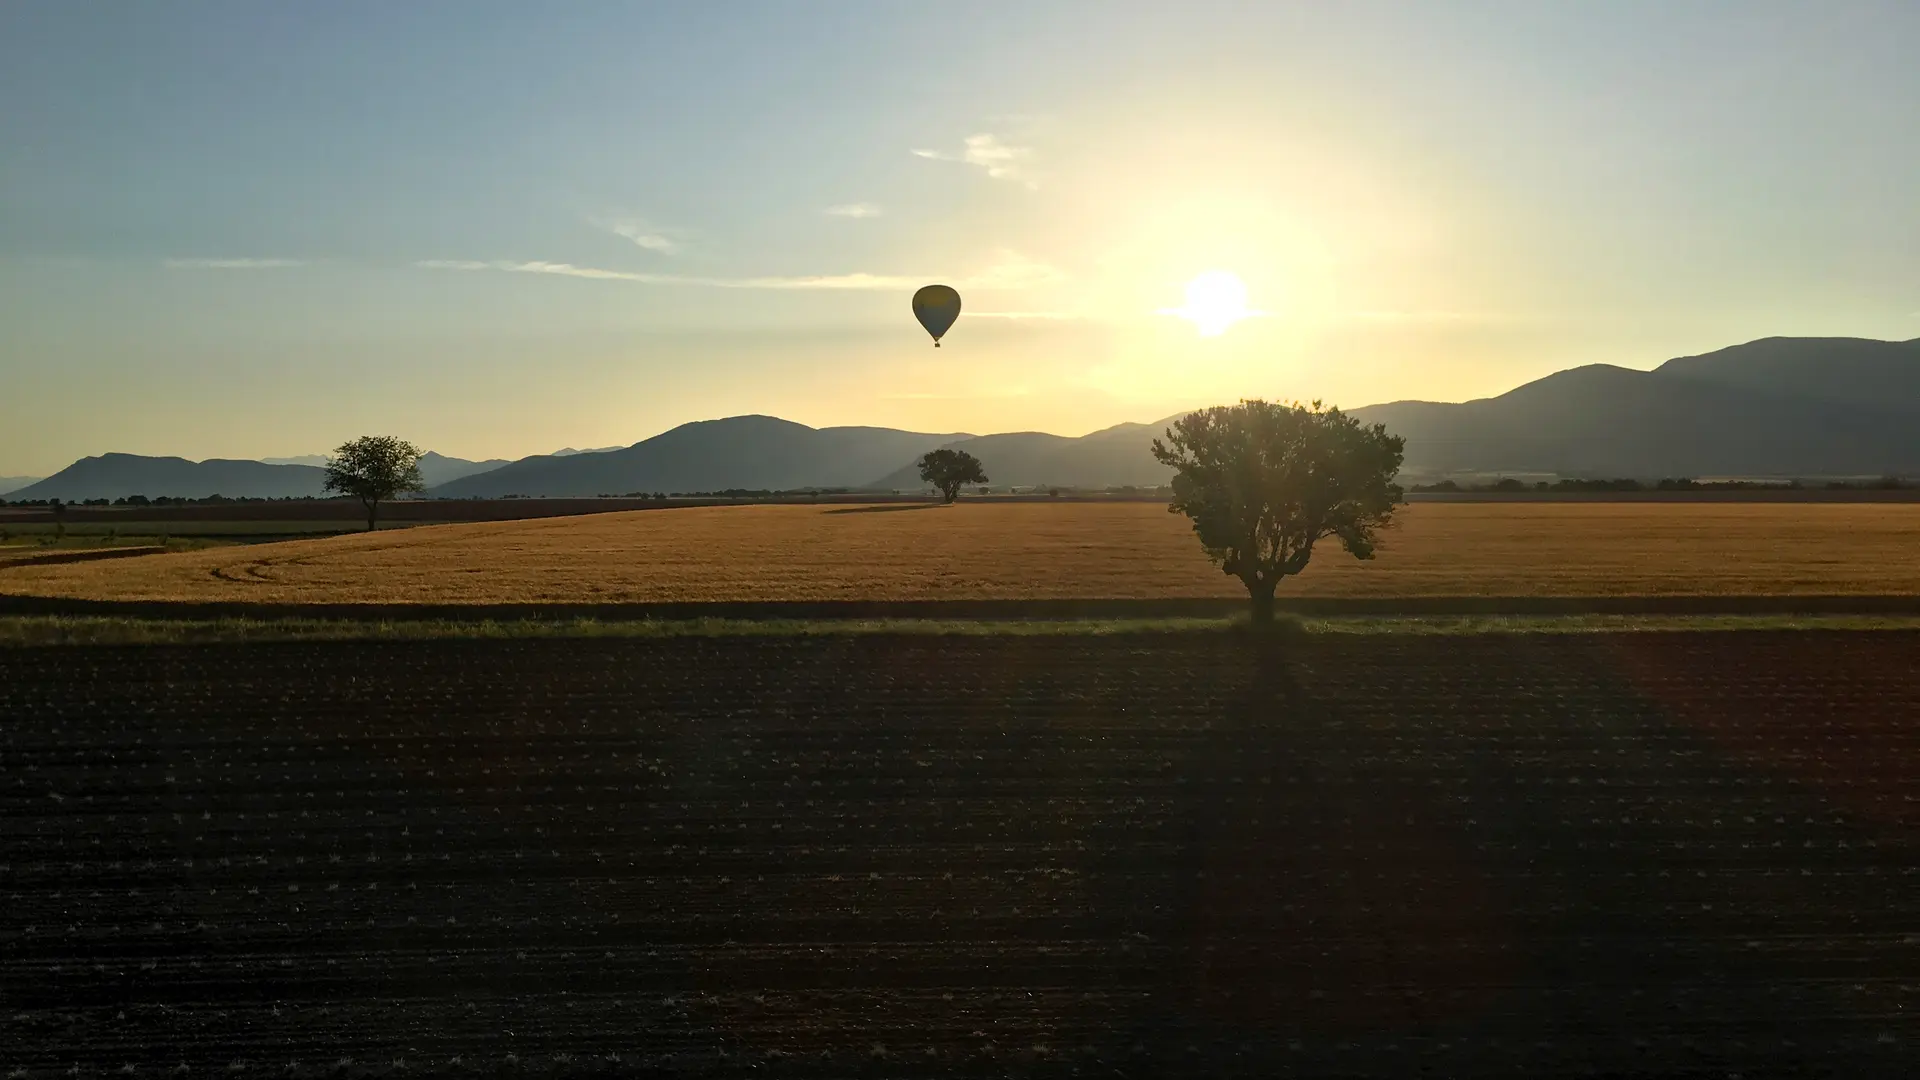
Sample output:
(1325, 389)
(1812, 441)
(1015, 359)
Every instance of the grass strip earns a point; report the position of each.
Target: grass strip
(52, 630)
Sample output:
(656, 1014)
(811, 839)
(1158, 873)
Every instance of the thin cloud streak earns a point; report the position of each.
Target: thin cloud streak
(1432, 316)
(1013, 271)
(644, 234)
(232, 264)
(999, 160)
(979, 395)
(854, 210)
(820, 281)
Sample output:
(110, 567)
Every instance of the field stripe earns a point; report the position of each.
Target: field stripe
(1091, 608)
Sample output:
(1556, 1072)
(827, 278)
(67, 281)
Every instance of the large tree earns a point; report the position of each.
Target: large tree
(1263, 482)
(373, 468)
(948, 469)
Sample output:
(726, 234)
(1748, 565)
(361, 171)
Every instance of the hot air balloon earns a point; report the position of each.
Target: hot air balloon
(936, 306)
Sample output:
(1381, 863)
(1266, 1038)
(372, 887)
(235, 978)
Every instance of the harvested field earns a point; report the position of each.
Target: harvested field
(1015, 551)
(1181, 854)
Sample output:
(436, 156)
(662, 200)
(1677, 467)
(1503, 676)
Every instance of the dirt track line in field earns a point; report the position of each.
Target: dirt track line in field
(1088, 609)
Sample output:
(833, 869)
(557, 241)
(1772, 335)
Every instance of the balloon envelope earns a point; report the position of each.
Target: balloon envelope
(936, 306)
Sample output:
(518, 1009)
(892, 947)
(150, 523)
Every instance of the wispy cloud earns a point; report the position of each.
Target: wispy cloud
(644, 234)
(232, 264)
(854, 210)
(1011, 271)
(1440, 316)
(985, 393)
(826, 281)
(816, 281)
(1000, 160)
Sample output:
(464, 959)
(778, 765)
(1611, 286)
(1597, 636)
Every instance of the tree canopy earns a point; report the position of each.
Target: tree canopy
(373, 468)
(1264, 482)
(949, 469)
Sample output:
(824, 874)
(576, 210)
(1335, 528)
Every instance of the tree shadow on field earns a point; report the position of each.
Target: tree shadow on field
(1490, 853)
(1310, 903)
(888, 509)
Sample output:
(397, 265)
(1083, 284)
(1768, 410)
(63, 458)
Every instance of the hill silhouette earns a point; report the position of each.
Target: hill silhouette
(10, 483)
(1878, 376)
(752, 452)
(112, 476)
(1110, 457)
(1775, 407)
(1807, 407)
(436, 469)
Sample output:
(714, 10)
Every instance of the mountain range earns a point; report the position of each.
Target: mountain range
(1775, 407)
(755, 452)
(1807, 407)
(111, 476)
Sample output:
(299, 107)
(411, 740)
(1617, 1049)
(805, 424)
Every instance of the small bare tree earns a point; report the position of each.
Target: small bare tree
(373, 468)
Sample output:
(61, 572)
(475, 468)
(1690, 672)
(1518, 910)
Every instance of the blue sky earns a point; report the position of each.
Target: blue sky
(246, 229)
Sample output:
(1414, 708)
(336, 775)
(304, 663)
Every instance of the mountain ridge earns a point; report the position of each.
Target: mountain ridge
(1774, 406)
(753, 451)
(116, 475)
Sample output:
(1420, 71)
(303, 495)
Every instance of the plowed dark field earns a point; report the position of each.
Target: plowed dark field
(1527, 855)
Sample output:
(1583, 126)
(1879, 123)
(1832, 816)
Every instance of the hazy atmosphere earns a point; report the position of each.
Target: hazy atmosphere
(245, 230)
(1141, 538)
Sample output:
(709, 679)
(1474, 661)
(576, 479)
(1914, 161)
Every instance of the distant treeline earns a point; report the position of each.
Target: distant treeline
(661, 496)
(170, 500)
(1884, 483)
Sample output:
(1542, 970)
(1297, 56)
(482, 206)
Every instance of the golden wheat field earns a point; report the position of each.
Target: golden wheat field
(1029, 551)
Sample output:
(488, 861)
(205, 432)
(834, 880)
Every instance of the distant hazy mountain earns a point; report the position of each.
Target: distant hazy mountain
(438, 469)
(1880, 376)
(9, 483)
(1110, 457)
(1776, 407)
(568, 451)
(434, 468)
(758, 452)
(111, 476)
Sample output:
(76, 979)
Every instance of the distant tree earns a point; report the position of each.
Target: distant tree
(1263, 482)
(949, 469)
(373, 468)
(59, 519)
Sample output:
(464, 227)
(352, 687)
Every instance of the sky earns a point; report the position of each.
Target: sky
(496, 229)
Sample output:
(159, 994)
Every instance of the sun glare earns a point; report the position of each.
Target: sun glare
(1215, 301)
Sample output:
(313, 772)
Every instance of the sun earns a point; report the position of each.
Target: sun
(1215, 300)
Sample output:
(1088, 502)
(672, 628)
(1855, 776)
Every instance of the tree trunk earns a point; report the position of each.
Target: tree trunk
(947, 494)
(1261, 592)
(372, 504)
